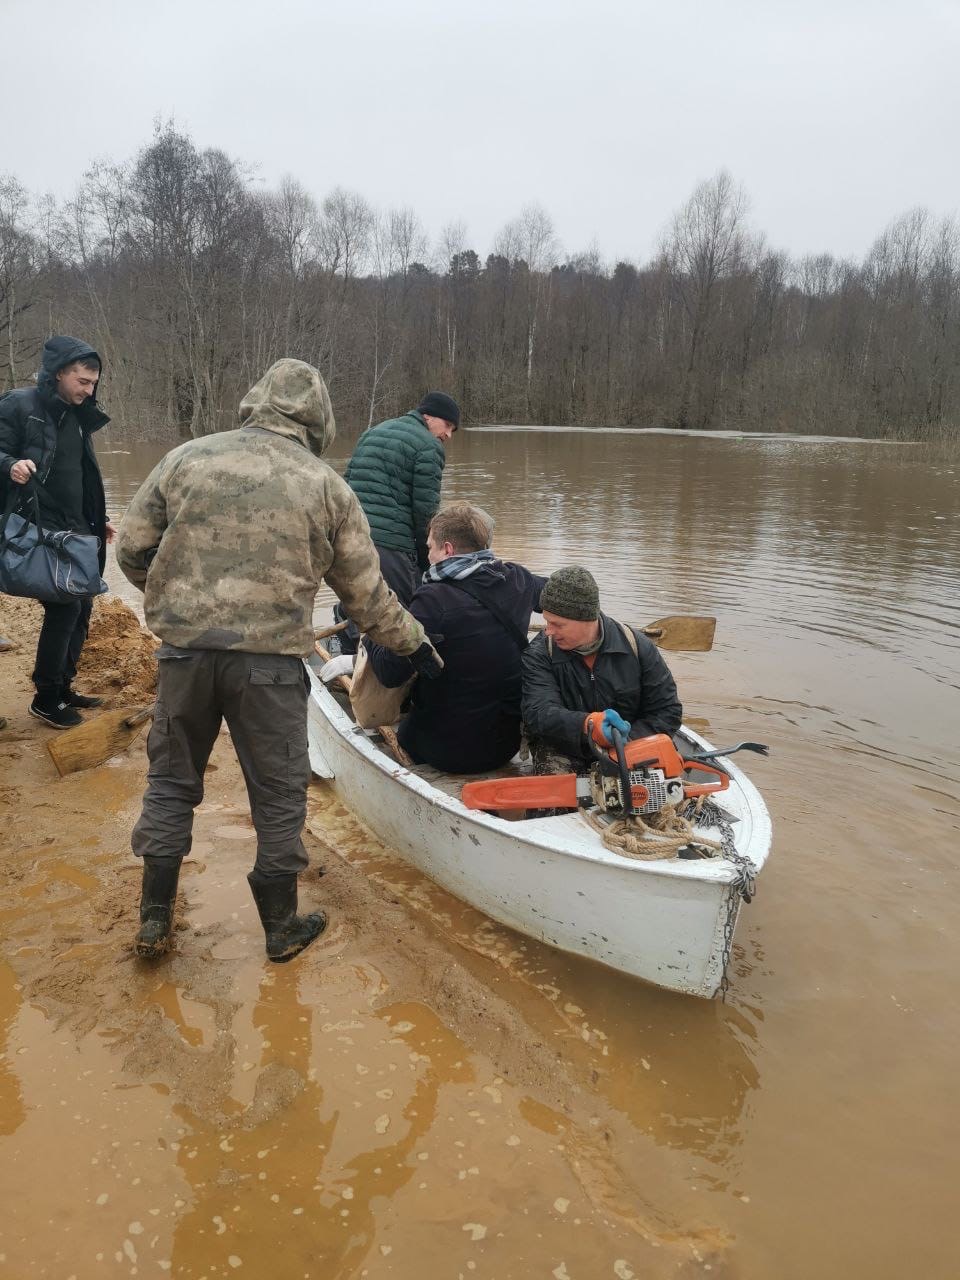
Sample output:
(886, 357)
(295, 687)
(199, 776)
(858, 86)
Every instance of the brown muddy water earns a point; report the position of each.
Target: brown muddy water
(426, 1092)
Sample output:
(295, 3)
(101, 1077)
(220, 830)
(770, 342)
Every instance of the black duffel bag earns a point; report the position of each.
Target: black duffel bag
(55, 567)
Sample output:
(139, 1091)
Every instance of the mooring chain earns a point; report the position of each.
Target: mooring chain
(638, 837)
(742, 888)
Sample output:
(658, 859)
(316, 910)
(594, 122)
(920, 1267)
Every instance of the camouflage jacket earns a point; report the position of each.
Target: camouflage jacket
(231, 535)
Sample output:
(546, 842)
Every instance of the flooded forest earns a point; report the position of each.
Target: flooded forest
(191, 278)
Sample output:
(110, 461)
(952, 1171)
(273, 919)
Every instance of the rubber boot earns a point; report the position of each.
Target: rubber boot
(287, 933)
(156, 906)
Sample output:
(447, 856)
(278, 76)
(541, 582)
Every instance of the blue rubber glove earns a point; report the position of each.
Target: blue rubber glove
(614, 720)
(426, 661)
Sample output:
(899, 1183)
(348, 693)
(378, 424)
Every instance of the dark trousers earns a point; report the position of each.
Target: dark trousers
(402, 576)
(62, 637)
(263, 698)
(548, 759)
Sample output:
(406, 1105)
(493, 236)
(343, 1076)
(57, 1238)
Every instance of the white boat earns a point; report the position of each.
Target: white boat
(668, 921)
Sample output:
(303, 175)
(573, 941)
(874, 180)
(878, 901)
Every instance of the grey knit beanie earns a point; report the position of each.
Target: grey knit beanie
(572, 592)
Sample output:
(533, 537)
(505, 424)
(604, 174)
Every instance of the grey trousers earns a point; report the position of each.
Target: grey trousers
(263, 698)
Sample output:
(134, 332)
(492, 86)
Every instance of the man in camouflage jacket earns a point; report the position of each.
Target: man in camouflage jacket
(229, 538)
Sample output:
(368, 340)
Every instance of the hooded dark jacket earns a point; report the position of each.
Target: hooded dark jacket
(559, 689)
(467, 720)
(33, 421)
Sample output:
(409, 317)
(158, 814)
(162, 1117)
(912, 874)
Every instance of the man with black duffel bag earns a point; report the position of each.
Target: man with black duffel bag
(46, 436)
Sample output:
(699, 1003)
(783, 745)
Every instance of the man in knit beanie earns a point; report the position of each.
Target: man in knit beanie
(572, 593)
(588, 674)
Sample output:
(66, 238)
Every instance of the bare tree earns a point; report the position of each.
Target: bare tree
(18, 272)
(704, 243)
(530, 243)
(346, 232)
(192, 281)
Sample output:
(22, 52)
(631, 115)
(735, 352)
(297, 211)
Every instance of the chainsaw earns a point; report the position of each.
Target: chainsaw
(629, 780)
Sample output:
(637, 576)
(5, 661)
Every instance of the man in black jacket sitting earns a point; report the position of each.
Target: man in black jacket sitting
(476, 610)
(587, 673)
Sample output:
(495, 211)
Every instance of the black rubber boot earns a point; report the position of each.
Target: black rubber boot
(287, 933)
(157, 897)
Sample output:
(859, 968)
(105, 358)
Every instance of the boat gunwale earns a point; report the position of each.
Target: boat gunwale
(718, 871)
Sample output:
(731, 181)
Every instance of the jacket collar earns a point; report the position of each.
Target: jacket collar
(89, 414)
(614, 641)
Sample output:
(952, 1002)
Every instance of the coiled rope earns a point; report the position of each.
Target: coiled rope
(652, 836)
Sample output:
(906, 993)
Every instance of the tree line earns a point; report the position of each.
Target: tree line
(190, 279)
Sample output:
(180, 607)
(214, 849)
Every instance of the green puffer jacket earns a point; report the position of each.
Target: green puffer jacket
(396, 471)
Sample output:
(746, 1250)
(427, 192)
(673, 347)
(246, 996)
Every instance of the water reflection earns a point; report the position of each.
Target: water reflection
(680, 1069)
(11, 1098)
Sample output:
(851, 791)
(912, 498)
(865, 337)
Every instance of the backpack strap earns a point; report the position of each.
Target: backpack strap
(631, 639)
(18, 497)
(516, 635)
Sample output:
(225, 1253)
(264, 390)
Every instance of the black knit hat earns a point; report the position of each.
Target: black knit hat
(572, 593)
(440, 405)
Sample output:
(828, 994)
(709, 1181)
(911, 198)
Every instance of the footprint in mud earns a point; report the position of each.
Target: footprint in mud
(59, 885)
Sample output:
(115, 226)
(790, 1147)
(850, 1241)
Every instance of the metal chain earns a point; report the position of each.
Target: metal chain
(742, 888)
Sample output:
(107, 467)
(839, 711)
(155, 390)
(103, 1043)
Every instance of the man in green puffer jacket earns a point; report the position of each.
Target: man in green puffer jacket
(395, 472)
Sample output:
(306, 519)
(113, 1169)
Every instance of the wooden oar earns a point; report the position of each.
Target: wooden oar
(682, 634)
(330, 631)
(385, 731)
(95, 741)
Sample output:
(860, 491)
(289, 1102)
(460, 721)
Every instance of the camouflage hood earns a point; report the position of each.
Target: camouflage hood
(291, 399)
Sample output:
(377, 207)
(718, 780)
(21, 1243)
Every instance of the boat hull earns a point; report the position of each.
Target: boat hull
(550, 879)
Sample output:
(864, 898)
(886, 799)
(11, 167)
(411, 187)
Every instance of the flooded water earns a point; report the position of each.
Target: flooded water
(806, 1128)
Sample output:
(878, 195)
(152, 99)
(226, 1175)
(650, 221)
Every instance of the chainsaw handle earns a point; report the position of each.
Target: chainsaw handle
(691, 790)
(619, 745)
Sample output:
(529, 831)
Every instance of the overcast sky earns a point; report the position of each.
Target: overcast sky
(836, 115)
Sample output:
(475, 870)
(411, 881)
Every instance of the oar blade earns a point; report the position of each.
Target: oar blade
(683, 634)
(680, 633)
(94, 741)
